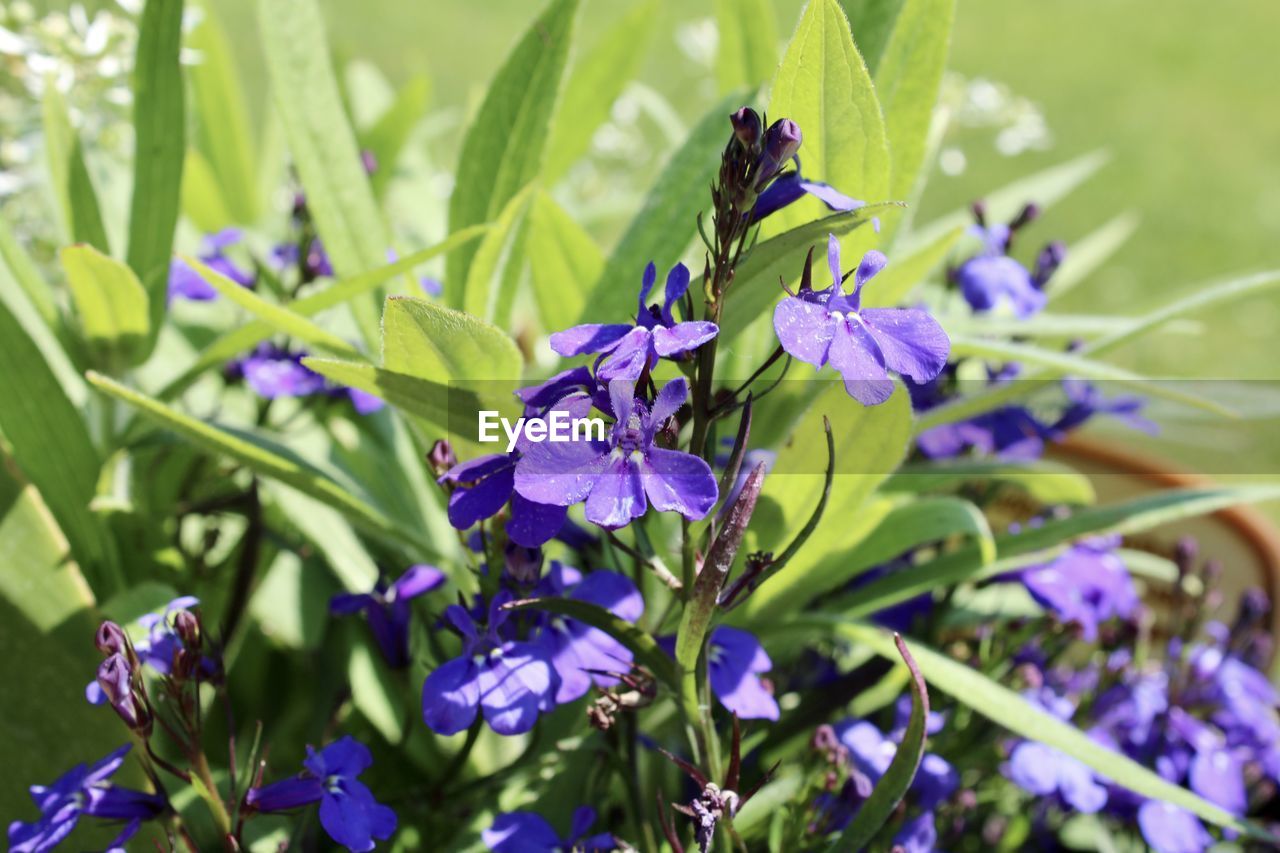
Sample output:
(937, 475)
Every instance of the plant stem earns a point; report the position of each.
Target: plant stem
(208, 791)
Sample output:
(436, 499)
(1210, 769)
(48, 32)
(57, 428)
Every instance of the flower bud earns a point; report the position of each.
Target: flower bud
(110, 639)
(115, 677)
(187, 626)
(524, 565)
(781, 142)
(1047, 262)
(441, 457)
(746, 126)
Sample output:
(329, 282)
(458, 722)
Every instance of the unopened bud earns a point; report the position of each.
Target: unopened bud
(781, 142)
(524, 565)
(1048, 261)
(187, 626)
(746, 126)
(441, 457)
(110, 639)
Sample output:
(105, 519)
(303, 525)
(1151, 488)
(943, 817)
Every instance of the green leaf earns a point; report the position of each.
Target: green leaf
(33, 297)
(642, 645)
(892, 787)
(595, 81)
(203, 200)
(1090, 252)
(870, 442)
(427, 340)
(111, 304)
(159, 132)
(498, 263)
(748, 49)
(375, 691)
(667, 223)
(906, 270)
(266, 461)
(51, 445)
(1047, 482)
(245, 337)
(27, 275)
(966, 563)
(1008, 709)
(506, 143)
(907, 81)
(872, 22)
(324, 148)
(387, 137)
(347, 557)
(1044, 188)
(224, 137)
(279, 317)
(564, 261)
(72, 186)
(823, 86)
(755, 286)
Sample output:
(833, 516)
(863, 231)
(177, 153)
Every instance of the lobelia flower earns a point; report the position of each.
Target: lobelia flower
(529, 832)
(1170, 829)
(619, 477)
(627, 352)
(510, 682)
(483, 487)
(388, 610)
(1044, 771)
(830, 326)
(991, 276)
(1087, 585)
(1085, 400)
(348, 812)
(186, 283)
(274, 372)
(581, 654)
(735, 660)
(83, 790)
(157, 650)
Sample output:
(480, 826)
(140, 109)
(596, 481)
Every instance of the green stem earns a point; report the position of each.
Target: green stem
(208, 791)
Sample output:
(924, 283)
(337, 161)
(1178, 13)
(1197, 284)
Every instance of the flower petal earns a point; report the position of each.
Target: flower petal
(469, 506)
(668, 402)
(417, 580)
(913, 342)
(514, 687)
(680, 482)
(450, 696)
(683, 337)
(560, 473)
(520, 832)
(533, 524)
(804, 329)
(614, 592)
(588, 338)
(855, 355)
(617, 496)
(629, 357)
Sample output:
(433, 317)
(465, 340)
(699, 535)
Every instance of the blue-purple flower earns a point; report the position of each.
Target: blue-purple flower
(511, 682)
(792, 186)
(1087, 585)
(583, 655)
(348, 811)
(186, 283)
(735, 662)
(1044, 771)
(83, 790)
(482, 488)
(991, 276)
(529, 832)
(619, 477)
(627, 351)
(274, 372)
(156, 649)
(863, 344)
(388, 610)
(1171, 829)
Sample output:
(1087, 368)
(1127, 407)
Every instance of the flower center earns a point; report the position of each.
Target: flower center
(629, 437)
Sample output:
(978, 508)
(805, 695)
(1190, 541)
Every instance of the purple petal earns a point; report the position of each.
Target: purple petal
(682, 337)
(732, 669)
(353, 818)
(912, 342)
(804, 329)
(520, 832)
(185, 282)
(917, 835)
(617, 496)
(532, 524)
(857, 357)
(833, 260)
(646, 285)
(344, 757)
(668, 402)
(450, 696)
(469, 506)
(363, 402)
(286, 794)
(677, 284)
(560, 473)
(614, 592)
(588, 338)
(1218, 776)
(783, 191)
(872, 263)
(1170, 829)
(629, 357)
(417, 580)
(346, 603)
(1033, 767)
(515, 687)
(622, 398)
(830, 196)
(680, 482)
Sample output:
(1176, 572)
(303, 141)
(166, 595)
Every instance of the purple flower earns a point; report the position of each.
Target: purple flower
(83, 790)
(619, 477)
(511, 682)
(274, 372)
(314, 265)
(1170, 829)
(628, 351)
(483, 487)
(387, 609)
(1085, 401)
(581, 654)
(829, 325)
(792, 186)
(529, 832)
(991, 276)
(917, 835)
(1011, 432)
(1044, 771)
(735, 660)
(156, 649)
(1086, 585)
(348, 811)
(186, 283)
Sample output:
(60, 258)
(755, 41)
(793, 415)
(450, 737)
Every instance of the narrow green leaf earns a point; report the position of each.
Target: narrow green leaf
(594, 82)
(907, 81)
(52, 446)
(72, 186)
(159, 132)
(1047, 482)
(966, 563)
(224, 136)
(748, 49)
(432, 342)
(755, 286)
(667, 222)
(204, 201)
(906, 270)
(1086, 255)
(279, 317)
(506, 143)
(823, 85)
(387, 137)
(375, 691)
(28, 277)
(644, 647)
(498, 263)
(1010, 710)
(564, 261)
(872, 22)
(892, 787)
(111, 304)
(265, 461)
(245, 337)
(324, 149)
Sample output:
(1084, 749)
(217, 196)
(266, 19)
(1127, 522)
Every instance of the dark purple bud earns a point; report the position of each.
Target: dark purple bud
(524, 565)
(1047, 263)
(1255, 607)
(187, 626)
(1185, 553)
(441, 457)
(781, 142)
(110, 639)
(115, 677)
(746, 126)
(1027, 215)
(979, 209)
